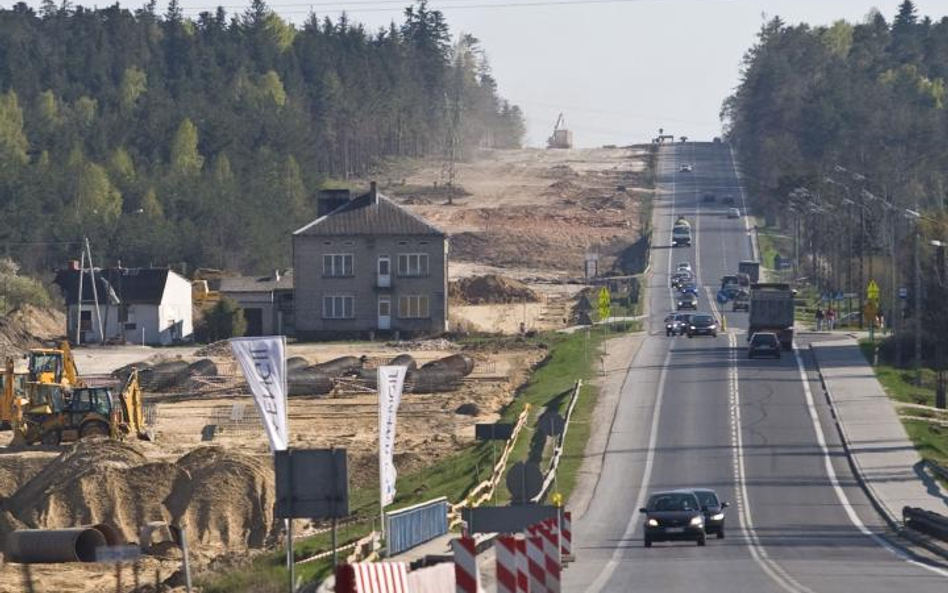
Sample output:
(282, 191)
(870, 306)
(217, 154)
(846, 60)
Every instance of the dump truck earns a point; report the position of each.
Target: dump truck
(681, 233)
(772, 310)
(751, 268)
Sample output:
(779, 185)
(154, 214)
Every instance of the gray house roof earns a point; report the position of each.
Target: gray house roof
(369, 214)
(258, 284)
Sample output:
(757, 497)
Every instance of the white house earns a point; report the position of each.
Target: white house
(135, 305)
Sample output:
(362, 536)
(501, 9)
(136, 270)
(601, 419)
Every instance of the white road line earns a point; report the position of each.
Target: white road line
(755, 248)
(603, 579)
(834, 480)
(759, 554)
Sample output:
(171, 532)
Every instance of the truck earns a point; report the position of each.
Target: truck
(681, 233)
(751, 268)
(772, 310)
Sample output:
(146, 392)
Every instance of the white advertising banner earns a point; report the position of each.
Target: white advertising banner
(391, 380)
(263, 361)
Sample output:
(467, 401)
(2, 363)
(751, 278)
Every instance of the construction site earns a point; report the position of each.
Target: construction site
(178, 439)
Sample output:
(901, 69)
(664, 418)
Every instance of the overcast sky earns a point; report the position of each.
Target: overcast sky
(617, 69)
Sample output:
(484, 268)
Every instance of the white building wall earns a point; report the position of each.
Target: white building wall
(175, 320)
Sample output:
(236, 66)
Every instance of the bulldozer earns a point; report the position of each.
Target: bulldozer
(57, 414)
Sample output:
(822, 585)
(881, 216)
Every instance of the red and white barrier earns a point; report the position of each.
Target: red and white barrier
(523, 570)
(505, 552)
(566, 537)
(467, 578)
(551, 553)
(536, 564)
(368, 577)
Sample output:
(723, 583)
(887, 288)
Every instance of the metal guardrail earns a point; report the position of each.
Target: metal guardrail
(414, 525)
(926, 522)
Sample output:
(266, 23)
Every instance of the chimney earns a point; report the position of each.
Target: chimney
(373, 193)
(329, 200)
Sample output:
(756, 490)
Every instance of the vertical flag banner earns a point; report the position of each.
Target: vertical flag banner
(391, 380)
(263, 362)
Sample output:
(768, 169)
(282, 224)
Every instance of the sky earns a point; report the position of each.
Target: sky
(617, 69)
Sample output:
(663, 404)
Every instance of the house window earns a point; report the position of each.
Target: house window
(85, 320)
(337, 306)
(123, 313)
(413, 264)
(413, 307)
(337, 265)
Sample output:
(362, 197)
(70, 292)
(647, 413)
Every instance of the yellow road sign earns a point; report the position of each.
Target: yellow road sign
(872, 291)
(605, 303)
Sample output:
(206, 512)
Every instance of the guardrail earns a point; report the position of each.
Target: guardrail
(485, 490)
(550, 477)
(414, 525)
(927, 522)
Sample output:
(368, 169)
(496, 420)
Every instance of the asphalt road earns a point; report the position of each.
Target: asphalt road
(697, 413)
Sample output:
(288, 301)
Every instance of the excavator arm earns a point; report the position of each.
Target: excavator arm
(6, 398)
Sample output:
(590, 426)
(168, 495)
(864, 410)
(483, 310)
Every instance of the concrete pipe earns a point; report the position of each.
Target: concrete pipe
(435, 380)
(296, 363)
(338, 367)
(53, 546)
(404, 360)
(165, 375)
(204, 367)
(307, 382)
(459, 363)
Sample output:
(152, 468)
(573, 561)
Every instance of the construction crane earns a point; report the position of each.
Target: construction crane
(561, 138)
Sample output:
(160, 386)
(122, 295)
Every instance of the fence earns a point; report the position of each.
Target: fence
(550, 477)
(409, 527)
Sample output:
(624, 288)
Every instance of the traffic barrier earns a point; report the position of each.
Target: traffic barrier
(551, 553)
(467, 577)
(536, 564)
(566, 533)
(376, 577)
(409, 527)
(523, 570)
(927, 522)
(505, 552)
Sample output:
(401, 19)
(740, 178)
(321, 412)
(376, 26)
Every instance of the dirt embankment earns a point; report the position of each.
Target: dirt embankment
(489, 290)
(30, 327)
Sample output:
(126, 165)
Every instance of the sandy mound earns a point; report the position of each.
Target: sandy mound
(490, 289)
(223, 499)
(30, 327)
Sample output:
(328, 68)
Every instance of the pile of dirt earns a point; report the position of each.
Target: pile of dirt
(223, 499)
(490, 289)
(30, 327)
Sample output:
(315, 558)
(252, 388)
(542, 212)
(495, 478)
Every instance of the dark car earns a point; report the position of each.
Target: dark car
(741, 302)
(702, 324)
(673, 516)
(763, 344)
(687, 301)
(688, 288)
(676, 323)
(708, 197)
(713, 509)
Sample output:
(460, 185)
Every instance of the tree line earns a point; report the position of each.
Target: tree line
(204, 141)
(842, 133)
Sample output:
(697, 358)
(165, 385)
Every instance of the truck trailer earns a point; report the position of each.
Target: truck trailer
(772, 310)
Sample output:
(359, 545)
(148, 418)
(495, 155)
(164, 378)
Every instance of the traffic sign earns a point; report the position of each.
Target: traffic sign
(903, 293)
(872, 291)
(605, 303)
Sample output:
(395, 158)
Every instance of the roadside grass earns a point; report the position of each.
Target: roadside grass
(772, 241)
(930, 439)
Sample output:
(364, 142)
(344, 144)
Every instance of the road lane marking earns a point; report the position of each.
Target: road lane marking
(755, 248)
(776, 572)
(603, 578)
(834, 480)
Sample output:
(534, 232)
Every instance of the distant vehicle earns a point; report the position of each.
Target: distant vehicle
(684, 266)
(763, 344)
(728, 199)
(680, 278)
(675, 323)
(685, 169)
(731, 290)
(688, 288)
(751, 268)
(687, 301)
(708, 197)
(743, 280)
(733, 213)
(741, 302)
(713, 509)
(771, 310)
(673, 516)
(729, 279)
(681, 236)
(702, 324)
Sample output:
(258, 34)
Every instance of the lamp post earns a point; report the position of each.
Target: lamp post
(915, 216)
(940, 271)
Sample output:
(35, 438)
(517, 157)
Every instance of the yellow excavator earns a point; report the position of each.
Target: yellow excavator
(60, 415)
(52, 365)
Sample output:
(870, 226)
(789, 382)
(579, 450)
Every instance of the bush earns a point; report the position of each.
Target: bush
(224, 320)
(16, 290)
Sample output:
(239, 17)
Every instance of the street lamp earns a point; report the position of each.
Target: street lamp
(941, 385)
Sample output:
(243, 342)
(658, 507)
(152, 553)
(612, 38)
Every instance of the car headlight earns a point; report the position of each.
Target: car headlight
(652, 523)
(692, 327)
(697, 521)
(718, 517)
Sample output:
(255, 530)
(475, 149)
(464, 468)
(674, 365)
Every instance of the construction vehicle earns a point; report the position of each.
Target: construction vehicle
(561, 138)
(57, 414)
(12, 384)
(50, 365)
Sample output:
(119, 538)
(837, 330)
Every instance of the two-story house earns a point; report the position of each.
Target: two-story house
(366, 267)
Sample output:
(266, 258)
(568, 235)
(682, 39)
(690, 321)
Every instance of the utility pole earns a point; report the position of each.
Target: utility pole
(918, 303)
(940, 274)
